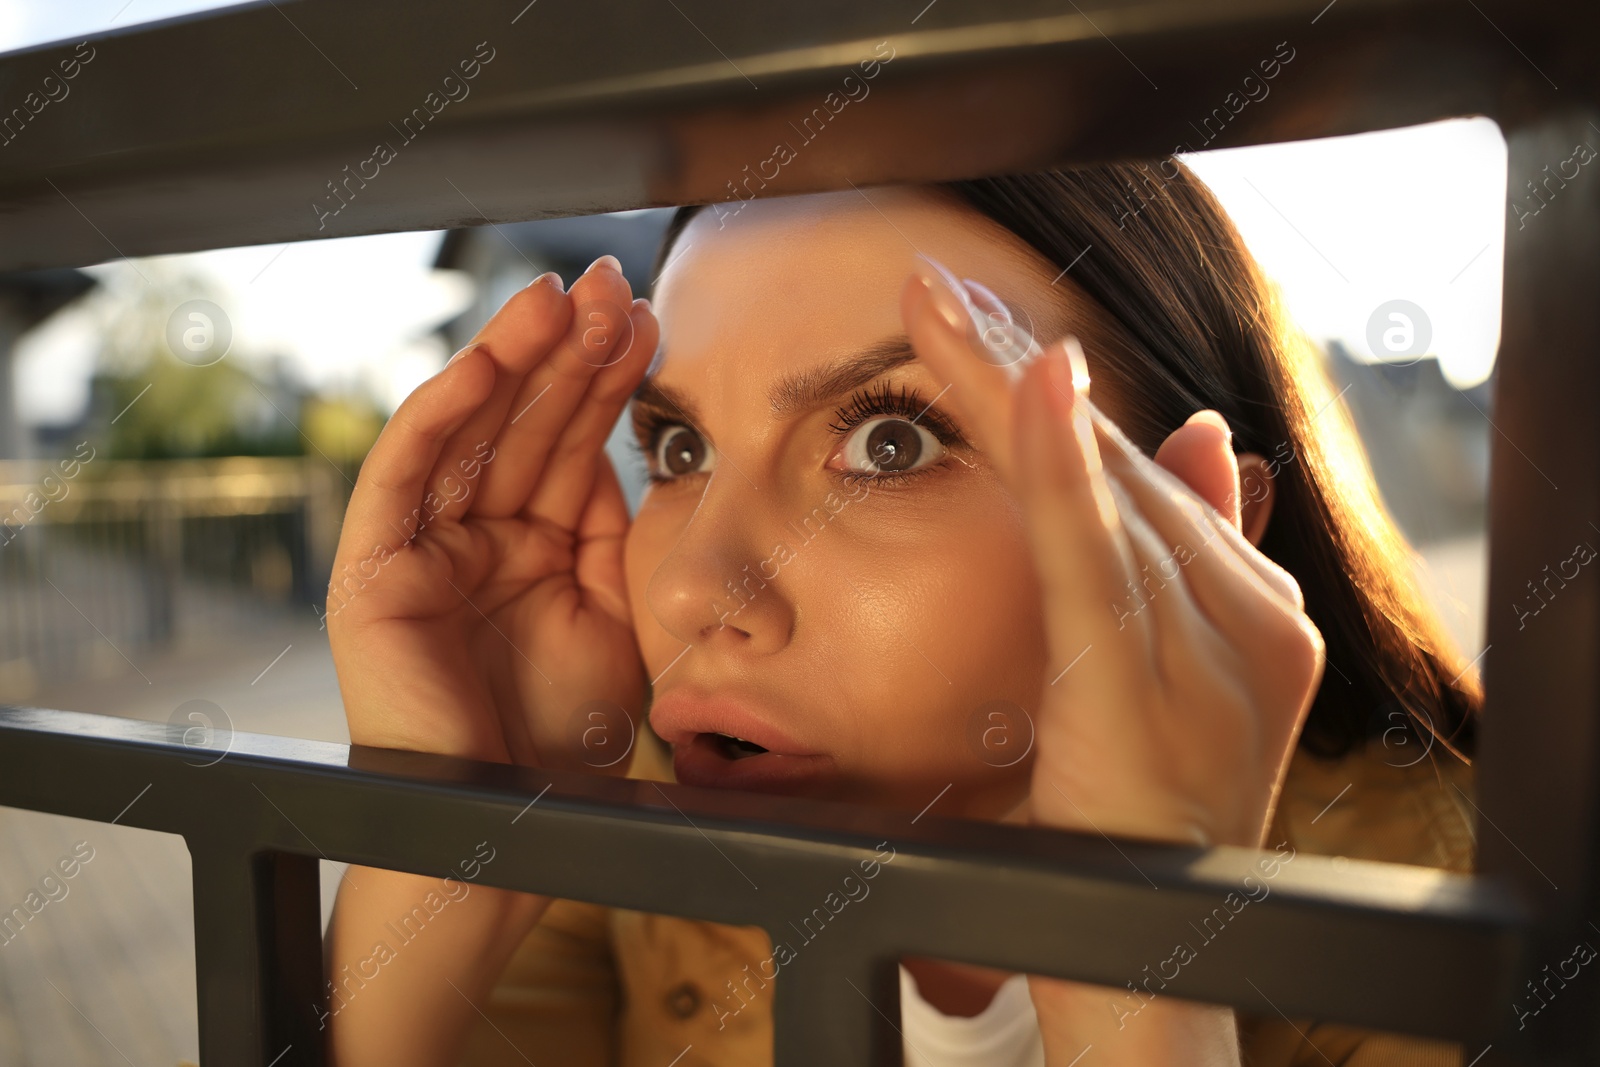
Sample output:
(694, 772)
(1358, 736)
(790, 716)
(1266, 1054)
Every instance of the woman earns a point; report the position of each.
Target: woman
(879, 515)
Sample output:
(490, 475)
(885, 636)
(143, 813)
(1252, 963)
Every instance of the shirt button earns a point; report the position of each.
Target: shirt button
(684, 1000)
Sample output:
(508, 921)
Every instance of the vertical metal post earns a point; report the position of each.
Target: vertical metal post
(163, 570)
(258, 955)
(835, 1005)
(1539, 795)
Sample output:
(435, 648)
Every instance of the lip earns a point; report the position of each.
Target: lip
(685, 718)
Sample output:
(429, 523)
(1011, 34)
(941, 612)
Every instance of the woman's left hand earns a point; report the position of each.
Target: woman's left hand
(1183, 663)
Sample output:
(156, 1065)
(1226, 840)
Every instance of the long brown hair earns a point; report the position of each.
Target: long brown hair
(1188, 322)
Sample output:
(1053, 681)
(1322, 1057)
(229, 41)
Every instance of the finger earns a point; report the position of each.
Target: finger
(1080, 547)
(940, 325)
(1170, 587)
(601, 531)
(518, 337)
(1157, 578)
(938, 320)
(1120, 451)
(569, 471)
(386, 506)
(1200, 454)
(996, 337)
(600, 334)
(1231, 593)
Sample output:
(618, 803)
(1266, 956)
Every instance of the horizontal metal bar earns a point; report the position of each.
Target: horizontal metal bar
(264, 122)
(1388, 946)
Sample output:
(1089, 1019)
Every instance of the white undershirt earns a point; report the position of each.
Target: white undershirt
(1005, 1034)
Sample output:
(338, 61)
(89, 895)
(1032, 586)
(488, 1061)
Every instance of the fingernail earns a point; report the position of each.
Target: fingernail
(1080, 365)
(463, 352)
(944, 274)
(609, 261)
(1069, 377)
(1005, 342)
(1062, 376)
(1208, 417)
(550, 278)
(984, 299)
(948, 297)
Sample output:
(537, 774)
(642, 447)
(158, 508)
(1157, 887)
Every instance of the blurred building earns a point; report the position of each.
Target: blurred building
(27, 298)
(1428, 445)
(1428, 442)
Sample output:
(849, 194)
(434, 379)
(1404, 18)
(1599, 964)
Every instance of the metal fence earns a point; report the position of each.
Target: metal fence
(608, 106)
(149, 550)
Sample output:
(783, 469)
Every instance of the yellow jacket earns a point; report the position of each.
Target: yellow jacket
(602, 987)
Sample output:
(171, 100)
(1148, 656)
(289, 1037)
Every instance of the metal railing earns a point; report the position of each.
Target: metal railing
(608, 106)
(149, 548)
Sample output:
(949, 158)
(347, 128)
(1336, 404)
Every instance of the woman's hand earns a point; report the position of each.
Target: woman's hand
(1183, 663)
(478, 609)
(477, 605)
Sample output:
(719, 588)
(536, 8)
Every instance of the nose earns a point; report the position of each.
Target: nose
(715, 589)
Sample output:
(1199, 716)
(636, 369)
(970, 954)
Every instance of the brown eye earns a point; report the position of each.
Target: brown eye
(890, 445)
(894, 445)
(679, 451)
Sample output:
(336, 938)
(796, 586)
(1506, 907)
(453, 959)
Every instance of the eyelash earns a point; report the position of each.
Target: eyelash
(862, 405)
(904, 402)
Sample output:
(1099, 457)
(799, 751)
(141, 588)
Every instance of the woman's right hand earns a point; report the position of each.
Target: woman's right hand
(478, 606)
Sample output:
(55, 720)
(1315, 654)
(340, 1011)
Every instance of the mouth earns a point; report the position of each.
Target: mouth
(735, 748)
(725, 761)
(729, 744)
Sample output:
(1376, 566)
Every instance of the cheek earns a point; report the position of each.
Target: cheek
(979, 613)
(943, 618)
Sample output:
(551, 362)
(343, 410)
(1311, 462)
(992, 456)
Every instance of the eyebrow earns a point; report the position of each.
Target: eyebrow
(802, 390)
(806, 389)
(652, 394)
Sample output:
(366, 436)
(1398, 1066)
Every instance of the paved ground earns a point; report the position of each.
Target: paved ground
(104, 974)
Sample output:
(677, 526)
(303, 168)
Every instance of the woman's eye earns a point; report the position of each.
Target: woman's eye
(680, 451)
(889, 444)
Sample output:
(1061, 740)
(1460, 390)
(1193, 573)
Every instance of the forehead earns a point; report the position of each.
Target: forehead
(757, 290)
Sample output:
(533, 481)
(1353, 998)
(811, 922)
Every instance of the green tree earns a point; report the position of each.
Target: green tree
(150, 404)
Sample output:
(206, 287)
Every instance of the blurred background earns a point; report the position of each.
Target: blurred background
(179, 436)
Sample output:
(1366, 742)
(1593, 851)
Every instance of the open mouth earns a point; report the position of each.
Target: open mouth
(734, 748)
(711, 737)
(728, 761)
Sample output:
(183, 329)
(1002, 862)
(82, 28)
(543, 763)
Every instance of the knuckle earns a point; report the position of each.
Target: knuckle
(1293, 593)
(1292, 638)
(1304, 650)
(404, 422)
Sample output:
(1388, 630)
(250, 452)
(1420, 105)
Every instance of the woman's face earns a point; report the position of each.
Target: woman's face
(824, 567)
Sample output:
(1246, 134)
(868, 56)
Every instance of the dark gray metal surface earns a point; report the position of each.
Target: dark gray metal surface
(1392, 947)
(232, 127)
(1538, 786)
